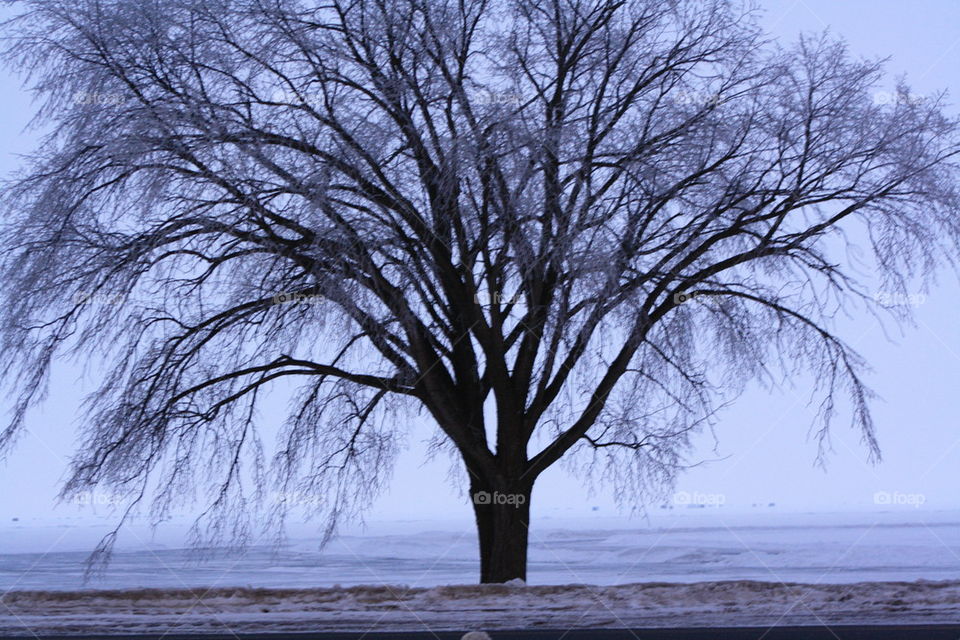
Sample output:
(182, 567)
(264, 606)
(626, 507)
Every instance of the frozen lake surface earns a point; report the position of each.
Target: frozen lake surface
(682, 546)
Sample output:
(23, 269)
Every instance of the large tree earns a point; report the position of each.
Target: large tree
(561, 228)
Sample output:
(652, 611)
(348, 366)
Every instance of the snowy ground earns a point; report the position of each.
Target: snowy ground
(475, 607)
(681, 547)
(679, 568)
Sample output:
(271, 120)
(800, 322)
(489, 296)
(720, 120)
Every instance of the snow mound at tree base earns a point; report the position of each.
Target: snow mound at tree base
(470, 607)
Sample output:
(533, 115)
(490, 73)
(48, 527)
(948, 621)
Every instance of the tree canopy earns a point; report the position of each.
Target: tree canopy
(556, 227)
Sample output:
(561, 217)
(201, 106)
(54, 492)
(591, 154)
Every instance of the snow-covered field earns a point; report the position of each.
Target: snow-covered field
(679, 546)
(693, 568)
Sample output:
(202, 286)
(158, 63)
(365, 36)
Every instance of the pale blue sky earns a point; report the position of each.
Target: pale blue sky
(764, 453)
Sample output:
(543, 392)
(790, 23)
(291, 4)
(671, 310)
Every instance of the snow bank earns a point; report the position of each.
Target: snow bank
(486, 607)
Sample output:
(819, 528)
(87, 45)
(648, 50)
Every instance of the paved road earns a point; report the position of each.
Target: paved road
(840, 632)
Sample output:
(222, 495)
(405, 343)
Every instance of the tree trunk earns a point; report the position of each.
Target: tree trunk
(503, 519)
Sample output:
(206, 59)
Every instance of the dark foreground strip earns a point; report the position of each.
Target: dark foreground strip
(838, 632)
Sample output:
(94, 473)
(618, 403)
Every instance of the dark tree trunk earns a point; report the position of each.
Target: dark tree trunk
(503, 520)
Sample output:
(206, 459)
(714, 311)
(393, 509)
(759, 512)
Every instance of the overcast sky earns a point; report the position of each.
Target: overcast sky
(763, 453)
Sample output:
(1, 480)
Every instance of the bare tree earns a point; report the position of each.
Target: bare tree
(563, 228)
